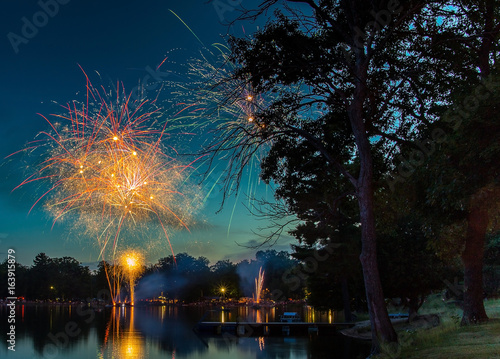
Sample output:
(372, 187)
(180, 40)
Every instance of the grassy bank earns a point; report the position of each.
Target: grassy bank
(449, 339)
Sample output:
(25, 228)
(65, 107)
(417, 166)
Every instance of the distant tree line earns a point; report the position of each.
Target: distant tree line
(183, 278)
(50, 278)
(326, 278)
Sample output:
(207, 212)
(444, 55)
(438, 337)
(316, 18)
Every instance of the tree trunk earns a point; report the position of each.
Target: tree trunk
(477, 219)
(381, 326)
(472, 257)
(490, 32)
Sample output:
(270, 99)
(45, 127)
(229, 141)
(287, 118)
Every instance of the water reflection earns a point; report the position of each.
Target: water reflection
(158, 332)
(122, 339)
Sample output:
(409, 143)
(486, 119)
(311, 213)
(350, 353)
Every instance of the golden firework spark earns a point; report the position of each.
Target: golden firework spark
(131, 263)
(109, 168)
(229, 109)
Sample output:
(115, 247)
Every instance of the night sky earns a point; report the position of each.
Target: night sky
(120, 40)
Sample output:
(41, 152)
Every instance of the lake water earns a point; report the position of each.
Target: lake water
(50, 331)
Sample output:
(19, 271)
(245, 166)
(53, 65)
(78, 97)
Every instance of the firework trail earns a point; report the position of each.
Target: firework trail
(131, 262)
(108, 168)
(259, 282)
(225, 111)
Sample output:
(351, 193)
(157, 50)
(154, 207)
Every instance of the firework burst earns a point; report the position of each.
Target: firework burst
(108, 168)
(226, 112)
(218, 101)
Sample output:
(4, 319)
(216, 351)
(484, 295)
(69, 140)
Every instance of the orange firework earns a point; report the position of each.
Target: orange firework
(109, 169)
(132, 264)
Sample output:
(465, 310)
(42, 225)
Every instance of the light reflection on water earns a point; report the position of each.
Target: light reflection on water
(123, 340)
(159, 332)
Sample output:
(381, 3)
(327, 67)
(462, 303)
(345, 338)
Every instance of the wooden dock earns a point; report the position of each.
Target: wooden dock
(247, 329)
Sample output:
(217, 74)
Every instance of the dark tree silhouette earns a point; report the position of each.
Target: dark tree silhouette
(347, 79)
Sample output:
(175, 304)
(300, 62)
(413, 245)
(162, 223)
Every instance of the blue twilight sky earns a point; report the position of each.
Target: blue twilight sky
(42, 43)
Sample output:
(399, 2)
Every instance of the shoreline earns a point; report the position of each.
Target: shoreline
(362, 329)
